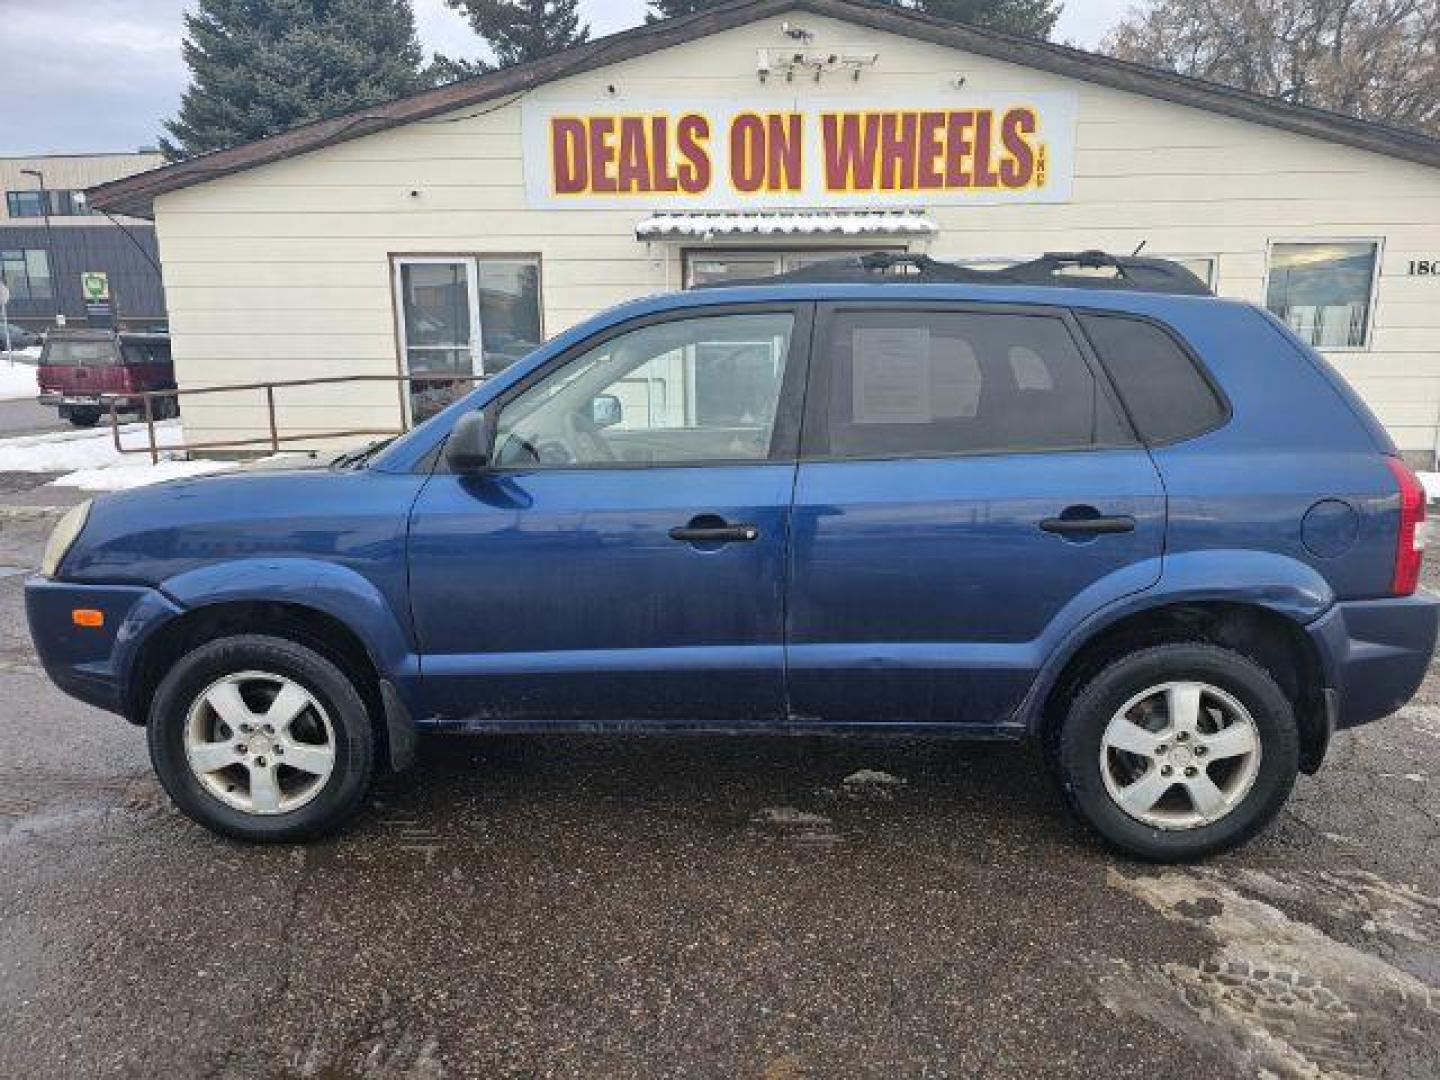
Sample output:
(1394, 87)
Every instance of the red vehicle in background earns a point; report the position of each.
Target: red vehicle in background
(82, 371)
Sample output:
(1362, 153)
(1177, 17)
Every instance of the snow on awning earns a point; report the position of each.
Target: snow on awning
(705, 225)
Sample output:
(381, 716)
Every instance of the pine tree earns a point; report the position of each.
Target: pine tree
(259, 68)
(1024, 18)
(669, 9)
(521, 30)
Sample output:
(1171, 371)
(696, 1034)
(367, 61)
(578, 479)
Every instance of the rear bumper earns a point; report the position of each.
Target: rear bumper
(93, 664)
(1374, 653)
(88, 401)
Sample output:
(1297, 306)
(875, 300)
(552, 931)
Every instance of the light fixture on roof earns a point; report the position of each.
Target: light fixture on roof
(815, 62)
(855, 61)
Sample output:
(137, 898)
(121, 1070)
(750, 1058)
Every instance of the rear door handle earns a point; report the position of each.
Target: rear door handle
(1089, 526)
(715, 534)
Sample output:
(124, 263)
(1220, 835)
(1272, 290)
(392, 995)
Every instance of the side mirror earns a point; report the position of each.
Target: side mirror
(606, 411)
(468, 448)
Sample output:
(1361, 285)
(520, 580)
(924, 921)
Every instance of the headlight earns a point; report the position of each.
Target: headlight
(65, 534)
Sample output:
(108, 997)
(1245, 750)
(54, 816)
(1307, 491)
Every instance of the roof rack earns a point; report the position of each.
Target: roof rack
(1062, 269)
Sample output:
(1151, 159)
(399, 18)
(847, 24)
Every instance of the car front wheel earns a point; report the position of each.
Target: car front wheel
(1179, 751)
(261, 738)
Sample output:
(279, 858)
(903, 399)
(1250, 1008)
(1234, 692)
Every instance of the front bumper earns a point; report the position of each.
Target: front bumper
(93, 664)
(1374, 653)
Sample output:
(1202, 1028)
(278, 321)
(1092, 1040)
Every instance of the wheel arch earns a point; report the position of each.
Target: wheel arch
(1274, 640)
(327, 607)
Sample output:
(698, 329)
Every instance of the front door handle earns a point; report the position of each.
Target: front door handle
(1092, 524)
(713, 529)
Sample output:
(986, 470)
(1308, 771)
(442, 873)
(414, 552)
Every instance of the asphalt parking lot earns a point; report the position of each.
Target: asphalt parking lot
(764, 907)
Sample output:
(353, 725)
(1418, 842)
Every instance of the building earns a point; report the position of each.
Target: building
(451, 230)
(51, 238)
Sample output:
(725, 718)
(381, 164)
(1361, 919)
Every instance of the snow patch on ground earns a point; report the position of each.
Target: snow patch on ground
(873, 778)
(89, 459)
(131, 474)
(1280, 996)
(17, 380)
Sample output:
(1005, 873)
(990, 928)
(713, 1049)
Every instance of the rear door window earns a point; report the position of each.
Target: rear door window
(1167, 396)
(897, 383)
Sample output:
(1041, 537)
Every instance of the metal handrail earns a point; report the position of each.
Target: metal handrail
(274, 439)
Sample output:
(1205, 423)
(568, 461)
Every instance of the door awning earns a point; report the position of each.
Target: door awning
(706, 225)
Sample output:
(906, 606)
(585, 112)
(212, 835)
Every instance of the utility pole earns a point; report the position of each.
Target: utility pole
(5, 320)
(49, 240)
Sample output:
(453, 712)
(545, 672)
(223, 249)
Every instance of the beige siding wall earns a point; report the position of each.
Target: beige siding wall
(284, 271)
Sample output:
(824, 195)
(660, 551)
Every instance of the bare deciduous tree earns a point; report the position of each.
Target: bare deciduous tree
(1376, 59)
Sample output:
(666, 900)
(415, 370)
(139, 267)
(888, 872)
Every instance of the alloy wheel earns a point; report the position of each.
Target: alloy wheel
(260, 742)
(1180, 755)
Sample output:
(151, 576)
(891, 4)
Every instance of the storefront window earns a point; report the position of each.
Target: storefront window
(715, 267)
(1203, 267)
(509, 311)
(1323, 291)
(27, 273)
(463, 316)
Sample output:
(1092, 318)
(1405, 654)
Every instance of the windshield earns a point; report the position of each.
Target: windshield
(72, 353)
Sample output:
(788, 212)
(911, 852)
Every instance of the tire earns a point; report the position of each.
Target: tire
(1187, 822)
(84, 417)
(186, 732)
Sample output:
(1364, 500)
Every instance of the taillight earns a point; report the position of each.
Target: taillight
(1410, 545)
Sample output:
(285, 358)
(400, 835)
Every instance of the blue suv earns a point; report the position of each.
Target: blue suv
(1080, 500)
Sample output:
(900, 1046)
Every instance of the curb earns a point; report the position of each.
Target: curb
(31, 513)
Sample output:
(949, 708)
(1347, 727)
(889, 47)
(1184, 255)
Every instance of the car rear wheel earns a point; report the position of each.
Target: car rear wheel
(261, 738)
(1179, 751)
(83, 417)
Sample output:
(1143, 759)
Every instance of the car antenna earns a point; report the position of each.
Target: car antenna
(1139, 248)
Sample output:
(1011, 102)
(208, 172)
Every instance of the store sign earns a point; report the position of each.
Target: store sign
(981, 149)
(95, 286)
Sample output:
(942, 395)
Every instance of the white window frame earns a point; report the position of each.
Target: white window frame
(472, 290)
(473, 261)
(1374, 298)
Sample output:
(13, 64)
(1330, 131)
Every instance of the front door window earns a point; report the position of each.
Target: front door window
(681, 392)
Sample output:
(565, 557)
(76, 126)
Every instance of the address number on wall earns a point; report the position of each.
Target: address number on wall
(1425, 267)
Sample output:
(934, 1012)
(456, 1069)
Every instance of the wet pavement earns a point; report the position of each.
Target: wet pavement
(765, 907)
(27, 417)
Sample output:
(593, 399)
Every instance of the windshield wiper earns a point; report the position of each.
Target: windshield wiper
(354, 459)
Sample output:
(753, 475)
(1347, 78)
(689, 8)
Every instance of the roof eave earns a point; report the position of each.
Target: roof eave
(134, 195)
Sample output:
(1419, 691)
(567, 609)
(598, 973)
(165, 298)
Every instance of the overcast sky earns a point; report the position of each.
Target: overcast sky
(90, 75)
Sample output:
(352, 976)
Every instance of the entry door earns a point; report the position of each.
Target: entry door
(967, 489)
(624, 559)
(439, 317)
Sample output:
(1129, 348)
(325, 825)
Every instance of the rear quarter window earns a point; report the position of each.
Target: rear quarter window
(1168, 397)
